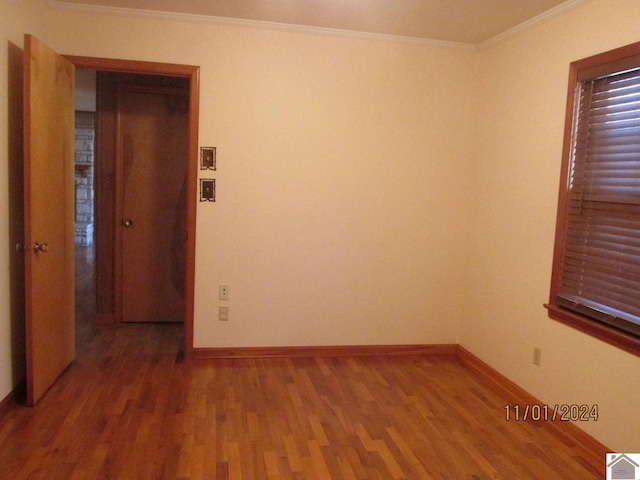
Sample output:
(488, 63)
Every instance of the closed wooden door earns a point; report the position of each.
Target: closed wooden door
(49, 215)
(152, 149)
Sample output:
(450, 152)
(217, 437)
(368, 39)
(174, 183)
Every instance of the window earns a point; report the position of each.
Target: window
(595, 284)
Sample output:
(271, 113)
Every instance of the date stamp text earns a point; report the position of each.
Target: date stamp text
(541, 412)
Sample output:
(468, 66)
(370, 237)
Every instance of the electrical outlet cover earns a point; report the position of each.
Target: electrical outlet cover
(537, 354)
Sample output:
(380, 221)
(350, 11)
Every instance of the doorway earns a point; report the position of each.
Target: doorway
(85, 133)
(142, 151)
(178, 88)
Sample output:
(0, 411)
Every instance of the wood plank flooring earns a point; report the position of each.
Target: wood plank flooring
(130, 407)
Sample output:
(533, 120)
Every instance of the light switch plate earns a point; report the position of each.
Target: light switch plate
(207, 158)
(207, 189)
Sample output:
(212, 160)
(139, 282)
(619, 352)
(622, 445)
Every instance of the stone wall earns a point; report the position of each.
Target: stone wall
(84, 163)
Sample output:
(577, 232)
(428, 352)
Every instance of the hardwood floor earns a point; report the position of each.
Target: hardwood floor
(130, 407)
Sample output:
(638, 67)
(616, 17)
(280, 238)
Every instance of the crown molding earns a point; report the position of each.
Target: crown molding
(236, 22)
(533, 22)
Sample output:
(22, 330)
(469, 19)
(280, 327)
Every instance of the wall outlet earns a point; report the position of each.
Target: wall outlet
(537, 353)
(223, 314)
(223, 292)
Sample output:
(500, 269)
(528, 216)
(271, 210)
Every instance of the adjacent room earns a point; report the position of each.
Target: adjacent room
(321, 239)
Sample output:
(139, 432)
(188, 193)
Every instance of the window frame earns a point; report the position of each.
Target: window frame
(606, 63)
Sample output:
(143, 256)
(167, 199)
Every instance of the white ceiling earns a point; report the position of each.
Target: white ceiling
(460, 21)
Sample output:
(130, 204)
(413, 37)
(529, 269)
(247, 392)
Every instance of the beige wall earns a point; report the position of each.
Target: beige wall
(16, 17)
(349, 183)
(339, 180)
(516, 175)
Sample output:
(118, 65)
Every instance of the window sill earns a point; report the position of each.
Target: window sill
(602, 332)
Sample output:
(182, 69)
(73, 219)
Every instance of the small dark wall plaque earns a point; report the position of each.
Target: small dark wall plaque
(207, 189)
(207, 158)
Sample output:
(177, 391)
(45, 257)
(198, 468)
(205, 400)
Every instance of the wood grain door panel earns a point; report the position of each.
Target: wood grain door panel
(49, 215)
(152, 149)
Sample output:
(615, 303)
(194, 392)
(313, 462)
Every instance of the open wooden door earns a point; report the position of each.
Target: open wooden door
(49, 215)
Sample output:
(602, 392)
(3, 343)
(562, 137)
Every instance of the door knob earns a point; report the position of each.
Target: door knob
(127, 223)
(40, 247)
(37, 247)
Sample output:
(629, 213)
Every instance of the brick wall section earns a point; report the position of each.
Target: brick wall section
(84, 160)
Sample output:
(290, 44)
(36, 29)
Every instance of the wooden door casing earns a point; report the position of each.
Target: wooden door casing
(189, 75)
